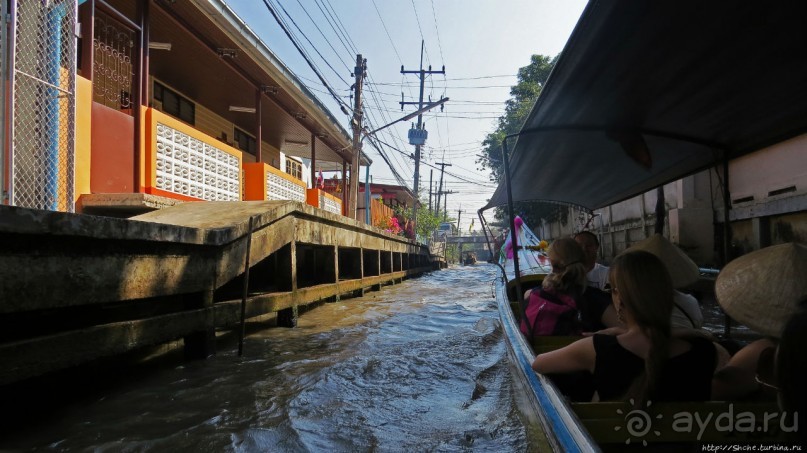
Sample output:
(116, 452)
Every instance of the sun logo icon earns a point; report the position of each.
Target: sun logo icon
(638, 423)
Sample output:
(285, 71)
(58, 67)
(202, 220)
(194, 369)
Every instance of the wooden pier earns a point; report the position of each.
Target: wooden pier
(75, 288)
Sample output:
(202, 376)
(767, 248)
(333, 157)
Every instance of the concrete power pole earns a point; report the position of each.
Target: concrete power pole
(443, 166)
(431, 187)
(459, 216)
(353, 198)
(418, 136)
(445, 208)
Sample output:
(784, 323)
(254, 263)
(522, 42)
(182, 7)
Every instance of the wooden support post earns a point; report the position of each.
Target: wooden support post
(288, 316)
(337, 297)
(202, 344)
(293, 263)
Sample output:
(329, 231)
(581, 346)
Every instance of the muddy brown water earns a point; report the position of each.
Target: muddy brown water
(419, 366)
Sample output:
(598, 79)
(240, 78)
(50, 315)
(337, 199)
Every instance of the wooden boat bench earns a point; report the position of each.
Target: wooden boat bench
(550, 343)
(689, 422)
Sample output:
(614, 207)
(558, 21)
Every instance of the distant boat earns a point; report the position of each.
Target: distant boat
(469, 258)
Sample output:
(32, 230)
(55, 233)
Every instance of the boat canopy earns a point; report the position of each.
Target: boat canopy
(647, 92)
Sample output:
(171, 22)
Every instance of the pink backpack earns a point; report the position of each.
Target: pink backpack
(551, 313)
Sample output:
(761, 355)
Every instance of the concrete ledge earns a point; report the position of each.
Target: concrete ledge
(62, 265)
(122, 204)
(29, 358)
(228, 312)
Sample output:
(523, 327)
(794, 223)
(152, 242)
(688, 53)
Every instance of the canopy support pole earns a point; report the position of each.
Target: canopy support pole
(485, 228)
(726, 235)
(513, 236)
(661, 210)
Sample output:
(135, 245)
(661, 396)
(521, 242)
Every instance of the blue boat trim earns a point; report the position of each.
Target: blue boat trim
(566, 431)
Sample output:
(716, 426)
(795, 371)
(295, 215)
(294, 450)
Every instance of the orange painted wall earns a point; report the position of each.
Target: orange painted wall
(312, 197)
(147, 140)
(83, 136)
(254, 181)
(112, 156)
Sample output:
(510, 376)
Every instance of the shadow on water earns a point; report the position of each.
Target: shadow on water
(416, 366)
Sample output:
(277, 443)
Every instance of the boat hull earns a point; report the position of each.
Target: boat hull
(560, 425)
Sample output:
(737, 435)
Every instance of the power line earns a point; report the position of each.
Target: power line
(436, 29)
(456, 79)
(447, 86)
(326, 15)
(327, 41)
(500, 112)
(339, 23)
(392, 42)
(418, 20)
(433, 166)
(383, 24)
(304, 55)
(383, 155)
(310, 43)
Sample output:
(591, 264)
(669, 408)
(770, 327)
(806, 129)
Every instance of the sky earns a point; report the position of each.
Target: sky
(481, 43)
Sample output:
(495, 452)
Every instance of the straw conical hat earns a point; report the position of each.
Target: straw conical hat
(762, 289)
(682, 269)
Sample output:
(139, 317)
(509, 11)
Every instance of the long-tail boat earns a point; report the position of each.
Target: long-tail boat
(643, 94)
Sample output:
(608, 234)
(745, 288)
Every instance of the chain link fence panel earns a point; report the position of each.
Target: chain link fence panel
(43, 85)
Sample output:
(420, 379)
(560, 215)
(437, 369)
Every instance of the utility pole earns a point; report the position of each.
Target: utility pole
(459, 216)
(353, 203)
(443, 166)
(431, 187)
(445, 210)
(418, 136)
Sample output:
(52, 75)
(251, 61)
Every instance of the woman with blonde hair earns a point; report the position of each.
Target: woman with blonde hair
(559, 307)
(645, 362)
(568, 268)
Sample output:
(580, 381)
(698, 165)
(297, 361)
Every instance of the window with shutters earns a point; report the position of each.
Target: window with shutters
(174, 104)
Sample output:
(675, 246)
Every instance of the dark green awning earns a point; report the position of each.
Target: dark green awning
(647, 92)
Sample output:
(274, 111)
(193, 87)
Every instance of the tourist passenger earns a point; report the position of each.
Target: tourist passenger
(597, 274)
(646, 362)
(560, 306)
(761, 290)
(791, 369)
(686, 313)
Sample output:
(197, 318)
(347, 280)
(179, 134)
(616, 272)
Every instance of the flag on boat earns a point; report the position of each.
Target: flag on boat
(532, 258)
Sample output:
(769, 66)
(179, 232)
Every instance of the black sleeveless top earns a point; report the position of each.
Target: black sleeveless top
(686, 377)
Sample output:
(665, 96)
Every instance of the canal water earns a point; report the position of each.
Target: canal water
(418, 366)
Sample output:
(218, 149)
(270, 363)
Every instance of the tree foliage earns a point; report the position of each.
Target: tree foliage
(427, 221)
(531, 79)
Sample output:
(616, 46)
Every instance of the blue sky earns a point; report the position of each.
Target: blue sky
(482, 43)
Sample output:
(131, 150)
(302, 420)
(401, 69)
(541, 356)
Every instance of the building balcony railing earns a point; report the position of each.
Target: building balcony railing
(265, 182)
(323, 200)
(183, 163)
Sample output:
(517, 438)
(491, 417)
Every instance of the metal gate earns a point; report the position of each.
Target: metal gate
(42, 117)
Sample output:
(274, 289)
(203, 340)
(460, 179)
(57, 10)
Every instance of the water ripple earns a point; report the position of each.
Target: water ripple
(418, 366)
